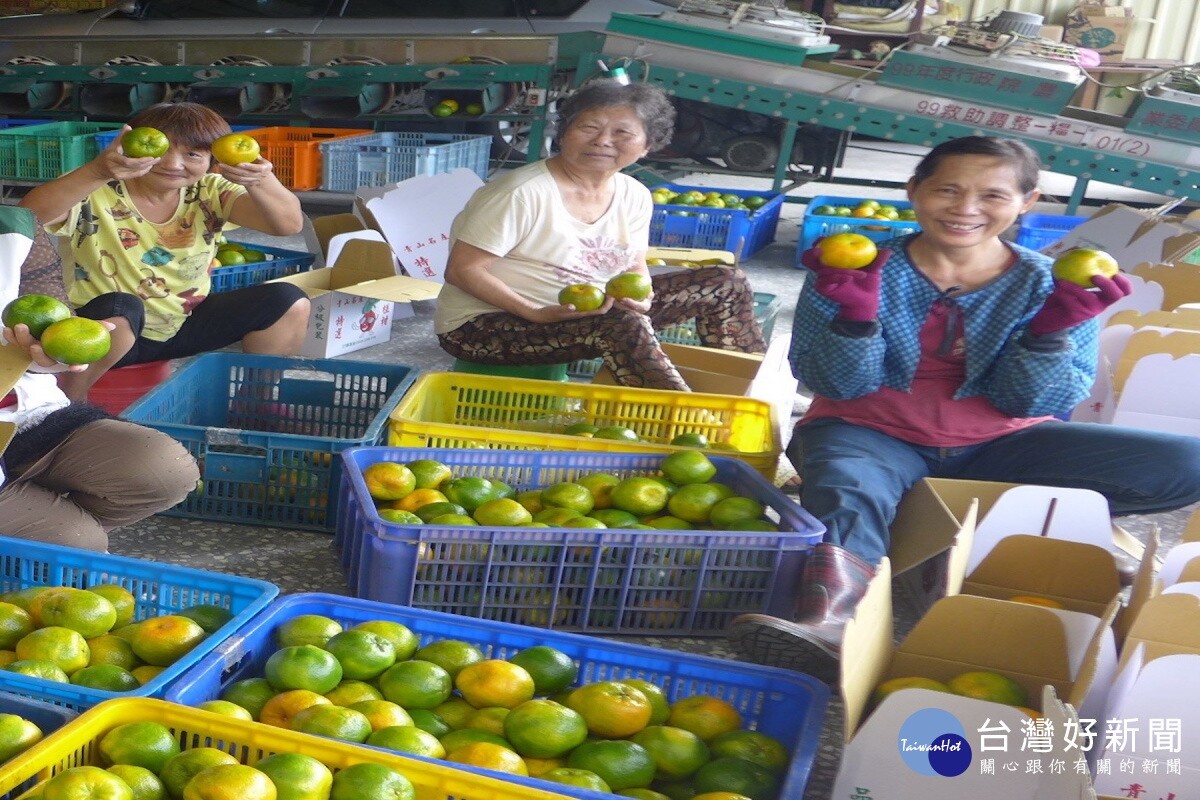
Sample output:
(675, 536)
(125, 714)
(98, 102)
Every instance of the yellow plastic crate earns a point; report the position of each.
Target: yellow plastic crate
(457, 409)
(76, 744)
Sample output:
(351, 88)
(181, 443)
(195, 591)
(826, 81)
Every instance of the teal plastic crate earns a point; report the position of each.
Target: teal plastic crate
(720, 41)
(271, 461)
(44, 152)
(816, 225)
(1041, 230)
(787, 705)
(660, 582)
(766, 309)
(743, 233)
(382, 158)
(158, 588)
(279, 263)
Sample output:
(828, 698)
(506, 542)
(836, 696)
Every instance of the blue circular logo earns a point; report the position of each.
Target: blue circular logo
(933, 742)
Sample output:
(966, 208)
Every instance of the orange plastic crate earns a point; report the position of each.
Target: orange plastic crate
(296, 152)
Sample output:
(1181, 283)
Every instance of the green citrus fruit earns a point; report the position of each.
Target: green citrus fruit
(76, 340)
(37, 311)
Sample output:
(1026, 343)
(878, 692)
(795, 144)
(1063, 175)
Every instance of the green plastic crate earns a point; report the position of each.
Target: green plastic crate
(44, 152)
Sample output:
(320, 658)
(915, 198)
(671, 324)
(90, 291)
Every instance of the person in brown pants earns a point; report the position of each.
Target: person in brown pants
(71, 473)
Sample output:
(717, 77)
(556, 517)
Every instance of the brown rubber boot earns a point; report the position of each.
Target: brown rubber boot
(832, 583)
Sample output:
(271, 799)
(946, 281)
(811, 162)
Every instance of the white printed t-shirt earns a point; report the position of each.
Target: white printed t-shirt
(520, 217)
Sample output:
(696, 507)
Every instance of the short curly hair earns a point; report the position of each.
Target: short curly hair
(649, 102)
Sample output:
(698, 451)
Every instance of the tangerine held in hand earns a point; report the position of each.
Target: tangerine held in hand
(1081, 264)
(76, 340)
(847, 251)
(583, 296)
(632, 285)
(36, 311)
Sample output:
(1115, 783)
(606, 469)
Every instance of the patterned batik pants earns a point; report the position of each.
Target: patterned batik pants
(718, 298)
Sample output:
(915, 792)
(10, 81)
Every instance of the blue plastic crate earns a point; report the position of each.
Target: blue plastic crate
(280, 263)
(877, 230)
(382, 158)
(271, 461)
(662, 582)
(48, 717)
(158, 589)
(743, 233)
(787, 705)
(766, 309)
(16, 122)
(1042, 230)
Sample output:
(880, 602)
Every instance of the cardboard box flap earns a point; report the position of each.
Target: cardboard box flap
(330, 225)
(1181, 563)
(1142, 590)
(1081, 577)
(1131, 236)
(1191, 532)
(866, 648)
(1166, 624)
(14, 362)
(1181, 318)
(1078, 515)
(398, 288)
(701, 256)
(1098, 665)
(933, 515)
(1180, 282)
(1159, 394)
(1150, 342)
(988, 634)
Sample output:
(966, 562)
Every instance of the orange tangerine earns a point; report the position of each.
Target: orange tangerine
(552, 670)
(640, 496)
(600, 484)
(108, 677)
(737, 777)
(450, 654)
(540, 766)
(7, 657)
(570, 495)
(78, 782)
(429, 472)
(489, 756)
(707, 717)
(387, 480)
(144, 783)
(382, 713)
(76, 340)
(250, 693)
(82, 611)
(688, 466)
(349, 692)
(694, 502)
(297, 776)
(208, 616)
(334, 722)
(163, 640)
(464, 736)
(280, 708)
(416, 684)
(454, 712)
(403, 640)
(17, 734)
(109, 649)
(660, 706)
(544, 729)
(490, 719)
(230, 782)
(502, 512)
(226, 709)
(146, 673)
(676, 753)
(363, 655)
(611, 708)
(37, 668)
(494, 682)
(1036, 600)
(579, 778)
(121, 598)
(407, 739)
(987, 685)
(15, 623)
(753, 746)
(417, 498)
(303, 667)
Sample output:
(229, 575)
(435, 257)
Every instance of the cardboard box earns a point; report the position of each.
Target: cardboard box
(944, 528)
(767, 377)
(1099, 27)
(1156, 699)
(355, 301)
(1180, 282)
(417, 229)
(1133, 237)
(14, 362)
(1052, 653)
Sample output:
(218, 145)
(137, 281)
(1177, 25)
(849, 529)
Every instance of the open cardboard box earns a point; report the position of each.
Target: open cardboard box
(674, 256)
(1052, 653)
(767, 377)
(355, 301)
(417, 229)
(945, 528)
(1157, 691)
(1133, 237)
(1153, 383)
(1180, 282)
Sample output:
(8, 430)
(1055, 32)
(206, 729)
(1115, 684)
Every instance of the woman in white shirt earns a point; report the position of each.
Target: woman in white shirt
(576, 218)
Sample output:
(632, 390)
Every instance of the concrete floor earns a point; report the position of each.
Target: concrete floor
(301, 561)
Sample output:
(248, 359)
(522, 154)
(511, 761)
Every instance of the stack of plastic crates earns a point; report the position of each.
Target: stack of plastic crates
(666, 582)
(266, 431)
(393, 156)
(157, 588)
(784, 704)
(44, 152)
(766, 309)
(78, 744)
(460, 409)
(295, 152)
